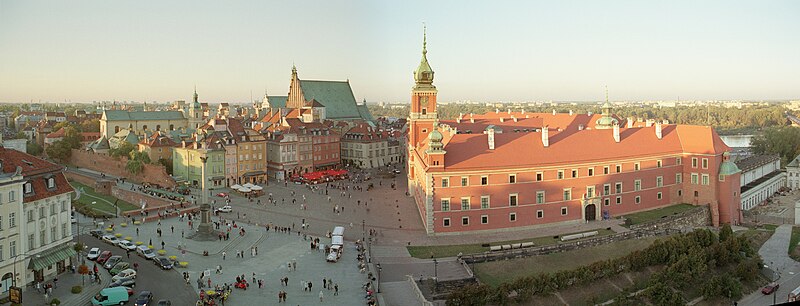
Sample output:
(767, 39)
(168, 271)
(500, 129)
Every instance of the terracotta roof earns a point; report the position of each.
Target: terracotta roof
(524, 120)
(57, 134)
(158, 140)
(471, 151)
(36, 171)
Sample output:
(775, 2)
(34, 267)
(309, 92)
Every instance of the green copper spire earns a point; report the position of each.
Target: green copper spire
(607, 121)
(423, 76)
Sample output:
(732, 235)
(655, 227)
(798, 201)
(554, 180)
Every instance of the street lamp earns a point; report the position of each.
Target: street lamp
(379, 276)
(14, 280)
(369, 248)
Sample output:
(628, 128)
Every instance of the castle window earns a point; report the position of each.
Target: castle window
(605, 170)
(606, 201)
(539, 176)
(484, 219)
(574, 173)
(424, 111)
(512, 199)
(446, 222)
(28, 188)
(659, 181)
(658, 164)
(606, 189)
(465, 203)
(445, 204)
(445, 182)
(705, 179)
(464, 181)
(658, 196)
(705, 163)
(696, 193)
(619, 168)
(512, 217)
(618, 187)
(512, 178)
(636, 166)
(637, 200)
(51, 182)
(619, 200)
(678, 161)
(678, 178)
(694, 162)
(539, 214)
(540, 197)
(591, 171)
(563, 211)
(567, 194)
(484, 180)
(637, 185)
(560, 174)
(484, 202)
(465, 221)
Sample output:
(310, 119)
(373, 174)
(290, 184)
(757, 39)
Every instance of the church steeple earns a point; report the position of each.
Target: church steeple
(194, 98)
(423, 76)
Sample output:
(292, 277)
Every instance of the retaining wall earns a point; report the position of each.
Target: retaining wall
(151, 173)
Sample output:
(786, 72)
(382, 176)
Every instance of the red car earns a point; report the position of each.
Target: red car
(222, 194)
(770, 289)
(103, 257)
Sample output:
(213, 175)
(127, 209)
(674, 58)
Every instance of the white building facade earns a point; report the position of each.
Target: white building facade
(761, 178)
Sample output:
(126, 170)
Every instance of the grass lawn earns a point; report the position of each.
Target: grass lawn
(89, 195)
(453, 250)
(655, 214)
(794, 250)
(497, 272)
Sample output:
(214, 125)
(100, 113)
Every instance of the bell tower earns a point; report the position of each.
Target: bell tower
(423, 100)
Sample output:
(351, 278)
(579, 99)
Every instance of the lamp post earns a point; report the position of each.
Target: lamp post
(435, 273)
(25, 255)
(369, 248)
(379, 276)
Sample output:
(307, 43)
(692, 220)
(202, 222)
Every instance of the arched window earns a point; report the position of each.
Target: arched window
(171, 127)
(158, 127)
(6, 281)
(144, 127)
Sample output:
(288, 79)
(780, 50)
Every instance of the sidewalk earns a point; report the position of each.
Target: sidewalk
(63, 292)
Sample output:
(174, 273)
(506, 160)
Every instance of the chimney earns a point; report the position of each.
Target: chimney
(460, 115)
(523, 111)
(502, 119)
(509, 111)
(554, 112)
(545, 137)
(491, 139)
(616, 133)
(496, 110)
(630, 122)
(580, 127)
(570, 112)
(648, 123)
(514, 118)
(458, 120)
(470, 115)
(658, 130)
(471, 120)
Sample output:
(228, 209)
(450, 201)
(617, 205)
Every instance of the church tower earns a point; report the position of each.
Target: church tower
(423, 100)
(195, 111)
(295, 98)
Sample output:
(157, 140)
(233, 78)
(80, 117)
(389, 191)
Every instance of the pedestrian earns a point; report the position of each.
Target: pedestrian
(335, 289)
(55, 283)
(209, 282)
(223, 255)
(162, 245)
(320, 296)
(128, 253)
(137, 232)
(172, 228)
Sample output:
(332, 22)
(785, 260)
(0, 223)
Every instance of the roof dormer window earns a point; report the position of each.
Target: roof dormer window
(28, 188)
(51, 182)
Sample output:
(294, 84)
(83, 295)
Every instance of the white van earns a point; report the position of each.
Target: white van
(338, 231)
(335, 254)
(145, 252)
(337, 240)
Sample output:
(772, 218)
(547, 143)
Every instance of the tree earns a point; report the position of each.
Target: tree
(783, 141)
(60, 150)
(20, 135)
(72, 137)
(83, 270)
(33, 149)
(134, 166)
(725, 232)
(167, 163)
(91, 125)
(124, 149)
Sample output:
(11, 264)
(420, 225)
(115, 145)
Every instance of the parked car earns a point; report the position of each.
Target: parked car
(144, 298)
(395, 171)
(96, 233)
(164, 303)
(222, 194)
(119, 267)
(124, 282)
(127, 273)
(145, 252)
(93, 254)
(127, 245)
(164, 263)
(225, 209)
(770, 288)
(110, 239)
(112, 261)
(111, 296)
(103, 257)
(130, 290)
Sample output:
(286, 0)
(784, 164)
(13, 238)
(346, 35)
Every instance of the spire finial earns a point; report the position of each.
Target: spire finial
(606, 93)
(424, 38)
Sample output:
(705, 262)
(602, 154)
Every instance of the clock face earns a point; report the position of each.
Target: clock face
(423, 101)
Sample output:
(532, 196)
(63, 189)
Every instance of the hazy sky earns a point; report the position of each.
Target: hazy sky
(481, 50)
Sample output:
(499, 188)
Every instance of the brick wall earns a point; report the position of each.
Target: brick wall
(80, 178)
(155, 174)
(697, 217)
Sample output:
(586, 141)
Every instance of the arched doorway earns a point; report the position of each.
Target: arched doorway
(590, 212)
(6, 282)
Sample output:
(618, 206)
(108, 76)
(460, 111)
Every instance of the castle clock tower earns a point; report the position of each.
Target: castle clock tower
(423, 101)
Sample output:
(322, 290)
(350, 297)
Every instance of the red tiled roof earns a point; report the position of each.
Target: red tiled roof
(35, 170)
(471, 151)
(57, 134)
(526, 120)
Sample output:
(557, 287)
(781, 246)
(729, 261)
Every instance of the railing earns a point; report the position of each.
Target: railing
(420, 297)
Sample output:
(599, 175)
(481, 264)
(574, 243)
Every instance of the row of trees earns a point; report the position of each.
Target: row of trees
(783, 141)
(722, 118)
(136, 159)
(689, 258)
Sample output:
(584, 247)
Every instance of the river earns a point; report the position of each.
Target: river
(737, 141)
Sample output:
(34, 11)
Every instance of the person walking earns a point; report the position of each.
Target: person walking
(320, 296)
(335, 289)
(223, 255)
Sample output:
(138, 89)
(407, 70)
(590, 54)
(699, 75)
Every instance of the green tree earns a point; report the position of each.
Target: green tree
(167, 163)
(92, 125)
(60, 150)
(33, 148)
(725, 232)
(20, 135)
(134, 166)
(783, 141)
(124, 149)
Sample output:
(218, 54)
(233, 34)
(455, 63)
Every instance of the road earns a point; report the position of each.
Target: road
(786, 270)
(163, 284)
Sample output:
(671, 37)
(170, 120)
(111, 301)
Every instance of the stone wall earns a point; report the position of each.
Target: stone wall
(697, 217)
(80, 178)
(151, 173)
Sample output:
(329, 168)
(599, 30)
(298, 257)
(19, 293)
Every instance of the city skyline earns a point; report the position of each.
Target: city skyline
(523, 51)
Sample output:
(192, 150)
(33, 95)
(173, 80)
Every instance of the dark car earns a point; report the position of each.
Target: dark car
(112, 261)
(96, 233)
(144, 298)
(103, 257)
(164, 263)
(770, 289)
(125, 281)
(164, 303)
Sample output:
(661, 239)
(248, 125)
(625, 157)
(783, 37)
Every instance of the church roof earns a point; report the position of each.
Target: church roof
(277, 101)
(120, 115)
(336, 96)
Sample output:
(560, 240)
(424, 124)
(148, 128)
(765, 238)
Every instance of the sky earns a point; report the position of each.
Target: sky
(84, 51)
